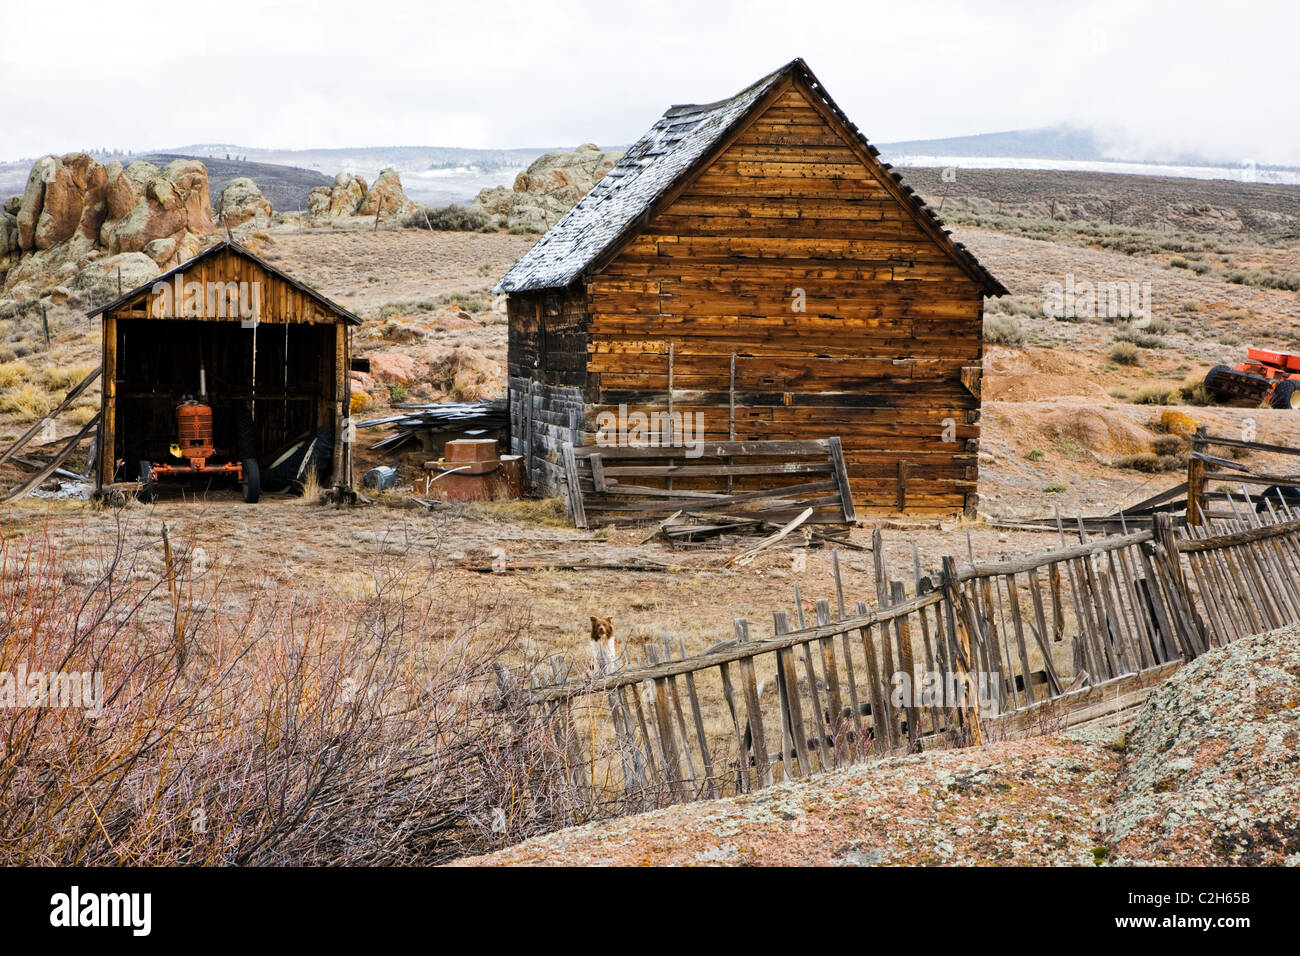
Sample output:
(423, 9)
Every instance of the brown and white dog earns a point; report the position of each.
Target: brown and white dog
(604, 647)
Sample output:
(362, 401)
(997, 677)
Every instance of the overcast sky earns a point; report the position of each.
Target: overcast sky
(1214, 78)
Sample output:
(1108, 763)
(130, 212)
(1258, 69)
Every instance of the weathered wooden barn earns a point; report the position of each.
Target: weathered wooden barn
(274, 355)
(753, 260)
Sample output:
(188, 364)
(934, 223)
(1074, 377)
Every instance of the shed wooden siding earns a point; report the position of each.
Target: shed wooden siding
(547, 370)
(281, 301)
(877, 357)
(303, 379)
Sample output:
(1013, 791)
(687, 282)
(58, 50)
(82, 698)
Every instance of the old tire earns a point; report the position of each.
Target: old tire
(252, 484)
(1286, 394)
(147, 491)
(245, 442)
(1215, 378)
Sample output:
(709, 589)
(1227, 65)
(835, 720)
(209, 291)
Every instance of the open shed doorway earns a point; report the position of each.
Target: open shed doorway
(267, 385)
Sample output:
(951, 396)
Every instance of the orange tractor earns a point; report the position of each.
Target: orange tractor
(194, 451)
(1272, 377)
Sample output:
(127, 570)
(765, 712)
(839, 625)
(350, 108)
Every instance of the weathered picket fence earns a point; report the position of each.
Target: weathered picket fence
(988, 649)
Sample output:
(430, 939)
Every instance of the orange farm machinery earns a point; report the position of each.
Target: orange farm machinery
(1272, 377)
(193, 452)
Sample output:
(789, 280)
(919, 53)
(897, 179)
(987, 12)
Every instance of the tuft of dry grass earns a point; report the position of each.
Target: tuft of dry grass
(27, 402)
(544, 512)
(311, 489)
(1003, 330)
(1125, 353)
(60, 378)
(1155, 395)
(80, 414)
(14, 373)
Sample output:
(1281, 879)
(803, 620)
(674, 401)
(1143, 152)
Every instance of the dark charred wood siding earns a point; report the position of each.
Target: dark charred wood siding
(547, 368)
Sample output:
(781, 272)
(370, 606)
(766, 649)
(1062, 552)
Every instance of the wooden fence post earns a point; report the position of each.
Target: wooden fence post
(968, 732)
(1196, 478)
(1187, 622)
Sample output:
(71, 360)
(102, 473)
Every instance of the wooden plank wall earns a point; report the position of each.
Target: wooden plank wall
(547, 373)
(280, 301)
(876, 358)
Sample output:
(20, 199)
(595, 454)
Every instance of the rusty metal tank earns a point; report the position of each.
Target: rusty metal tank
(471, 470)
(194, 429)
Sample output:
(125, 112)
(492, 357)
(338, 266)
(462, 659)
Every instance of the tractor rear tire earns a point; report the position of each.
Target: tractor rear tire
(1214, 379)
(1286, 394)
(148, 493)
(252, 485)
(245, 440)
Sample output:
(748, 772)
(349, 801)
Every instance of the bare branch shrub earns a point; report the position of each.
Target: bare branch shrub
(277, 727)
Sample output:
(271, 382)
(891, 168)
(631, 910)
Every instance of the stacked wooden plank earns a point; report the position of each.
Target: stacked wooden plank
(419, 421)
(769, 480)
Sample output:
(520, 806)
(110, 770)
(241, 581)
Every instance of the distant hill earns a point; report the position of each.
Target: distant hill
(285, 186)
(436, 175)
(1221, 206)
(1056, 142)
(1066, 147)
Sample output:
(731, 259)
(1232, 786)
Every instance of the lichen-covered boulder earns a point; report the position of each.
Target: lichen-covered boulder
(342, 199)
(549, 188)
(385, 197)
(173, 203)
(104, 280)
(240, 202)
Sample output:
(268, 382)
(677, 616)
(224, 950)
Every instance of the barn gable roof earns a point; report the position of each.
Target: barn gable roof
(347, 316)
(679, 145)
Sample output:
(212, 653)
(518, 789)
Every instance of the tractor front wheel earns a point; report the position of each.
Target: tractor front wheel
(1286, 394)
(252, 485)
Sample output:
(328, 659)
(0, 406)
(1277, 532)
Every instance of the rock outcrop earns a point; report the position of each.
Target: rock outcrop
(105, 279)
(548, 189)
(341, 199)
(64, 196)
(385, 197)
(145, 203)
(350, 196)
(75, 210)
(460, 373)
(240, 202)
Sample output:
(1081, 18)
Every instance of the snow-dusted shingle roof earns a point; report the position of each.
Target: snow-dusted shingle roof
(672, 149)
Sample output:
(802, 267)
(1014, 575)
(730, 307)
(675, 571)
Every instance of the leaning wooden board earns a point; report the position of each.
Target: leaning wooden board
(631, 483)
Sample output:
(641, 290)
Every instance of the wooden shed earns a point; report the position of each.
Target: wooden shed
(753, 260)
(274, 354)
